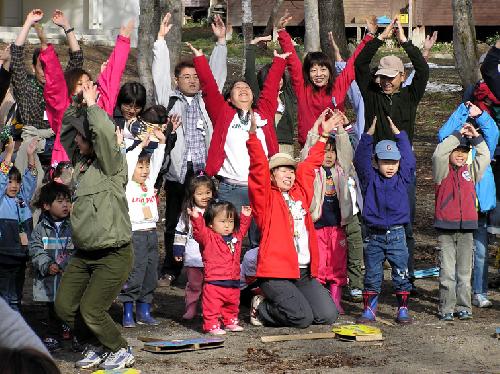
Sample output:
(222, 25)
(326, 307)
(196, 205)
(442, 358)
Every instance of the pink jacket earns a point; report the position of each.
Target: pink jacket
(56, 93)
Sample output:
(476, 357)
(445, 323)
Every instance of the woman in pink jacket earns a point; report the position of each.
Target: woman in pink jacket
(60, 89)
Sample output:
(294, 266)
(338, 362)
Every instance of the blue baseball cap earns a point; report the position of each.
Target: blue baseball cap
(387, 150)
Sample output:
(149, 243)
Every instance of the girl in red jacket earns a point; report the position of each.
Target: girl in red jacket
(287, 265)
(220, 234)
(315, 83)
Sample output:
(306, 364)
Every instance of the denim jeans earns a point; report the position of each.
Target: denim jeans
(456, 269)
(480, 274)
(238, 195)
(390, 245)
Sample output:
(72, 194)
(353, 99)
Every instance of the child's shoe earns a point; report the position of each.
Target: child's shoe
(403, 317)
(66, 331)
(254, 310)
(143, 315)
(52, 344)
(464, 315)
(370, 301)
(447, 317)
(481, 301)
(217, 331)
(336, 294)
(128, 314)
(234, 328)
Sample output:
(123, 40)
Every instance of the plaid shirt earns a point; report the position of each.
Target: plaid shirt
(28, 92)
(194, 137)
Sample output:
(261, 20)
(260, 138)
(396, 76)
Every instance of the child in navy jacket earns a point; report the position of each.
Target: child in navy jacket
(220, 235)
(386, 210)
(16, 222)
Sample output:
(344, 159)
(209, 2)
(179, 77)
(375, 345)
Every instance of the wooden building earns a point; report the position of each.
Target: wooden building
(425, 12)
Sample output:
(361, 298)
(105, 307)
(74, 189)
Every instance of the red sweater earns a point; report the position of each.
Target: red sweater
(219, 262)
(277, 254)
(311, 103)
(221, 113)
(455, 205)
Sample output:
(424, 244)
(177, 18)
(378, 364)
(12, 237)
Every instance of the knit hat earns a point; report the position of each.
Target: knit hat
(282, 159)
(387, 150)
(390, 66)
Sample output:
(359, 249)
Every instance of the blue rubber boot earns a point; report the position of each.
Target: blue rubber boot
(143, 316)
(403, 317)
(370, 301)
(128, 314)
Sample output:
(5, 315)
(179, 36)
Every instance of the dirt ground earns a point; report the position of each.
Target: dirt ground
(427, 346)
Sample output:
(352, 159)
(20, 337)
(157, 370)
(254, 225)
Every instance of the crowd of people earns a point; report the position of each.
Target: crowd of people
(83, 163)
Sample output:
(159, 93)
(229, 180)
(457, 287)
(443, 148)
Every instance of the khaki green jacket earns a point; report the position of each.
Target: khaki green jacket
(99, 218)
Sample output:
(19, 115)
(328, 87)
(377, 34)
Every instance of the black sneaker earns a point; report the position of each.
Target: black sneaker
(52, 344)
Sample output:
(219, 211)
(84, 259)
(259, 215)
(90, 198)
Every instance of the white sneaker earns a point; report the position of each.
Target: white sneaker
(481, 301)
(92, 357)
(120, 359)
(254, 311)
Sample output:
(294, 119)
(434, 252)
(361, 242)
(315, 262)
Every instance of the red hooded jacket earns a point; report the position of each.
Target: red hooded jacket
(219, 262)
(277, 254)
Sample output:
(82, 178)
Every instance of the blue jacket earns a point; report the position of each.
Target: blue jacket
(386, 199)
(485, 188)
(15, 213)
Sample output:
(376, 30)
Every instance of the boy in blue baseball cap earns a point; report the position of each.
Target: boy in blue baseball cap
(385, 212)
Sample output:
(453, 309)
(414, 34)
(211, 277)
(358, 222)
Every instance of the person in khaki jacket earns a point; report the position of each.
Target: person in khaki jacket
(455, 216)
(101, 234)
(346, 184)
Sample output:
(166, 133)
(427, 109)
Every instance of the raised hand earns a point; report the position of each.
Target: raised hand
(89, 93)
(474, 111)
(103, 66)
(218, 28)
(246, 210)
(31, 149)
(60, 20)
(371, 24)
(196, 52)
(430, 40)
(192, 213)
(400, 33)
(259, 39)
(9, 147)
(176, 120)
(284, 20)
(159, 135)
(282, 55)
(119, 136)
(164, 26)
(388, 31)
(320, 119)
(469, 131)
(34, 16)
(371, 130)
(394, 129)
(127, 29)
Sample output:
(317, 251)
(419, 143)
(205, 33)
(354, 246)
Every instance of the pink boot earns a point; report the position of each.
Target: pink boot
(336, 293)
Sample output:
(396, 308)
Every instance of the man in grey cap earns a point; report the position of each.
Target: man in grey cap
(385, 97)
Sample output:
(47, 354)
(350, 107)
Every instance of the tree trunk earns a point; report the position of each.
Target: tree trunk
(311, 20)
(331, 18)
(464, 42)
(151, 13)
(272, 17)
(246, 24)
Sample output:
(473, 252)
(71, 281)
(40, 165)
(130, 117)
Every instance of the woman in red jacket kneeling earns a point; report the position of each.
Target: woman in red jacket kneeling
(280, 194)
